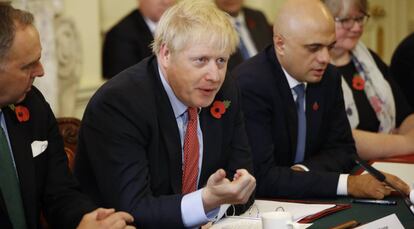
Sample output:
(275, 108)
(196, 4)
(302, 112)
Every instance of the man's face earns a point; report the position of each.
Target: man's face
(153, 9)
(306, 57)
(195, 73)
(232, 7)
(20, 66)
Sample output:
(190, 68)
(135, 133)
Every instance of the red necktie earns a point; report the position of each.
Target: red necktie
(191, 153)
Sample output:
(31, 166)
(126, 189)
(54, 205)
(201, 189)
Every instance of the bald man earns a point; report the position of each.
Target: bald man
(300, 138)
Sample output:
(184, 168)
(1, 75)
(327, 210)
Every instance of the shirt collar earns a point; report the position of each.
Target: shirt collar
(151, 24)
(239, 18)
(292, 81)
(178, 107)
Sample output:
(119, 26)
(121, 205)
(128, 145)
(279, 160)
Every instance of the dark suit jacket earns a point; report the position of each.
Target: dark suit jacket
(45, 181)
(129, 154)
(271, 123)
(402, 67)
(126, 44)
(260, 32)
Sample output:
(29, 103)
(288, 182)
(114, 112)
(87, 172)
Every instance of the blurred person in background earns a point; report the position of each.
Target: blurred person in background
(254, 31)
(128, 42)
(381, 118)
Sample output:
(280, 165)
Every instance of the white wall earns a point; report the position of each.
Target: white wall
(112, 11)
(86, 15)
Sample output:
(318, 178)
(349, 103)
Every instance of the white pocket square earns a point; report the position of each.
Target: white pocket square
(38, 147)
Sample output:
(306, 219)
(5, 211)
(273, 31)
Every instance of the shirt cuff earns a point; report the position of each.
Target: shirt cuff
(192, 210)
(306, 169)
(342, 189)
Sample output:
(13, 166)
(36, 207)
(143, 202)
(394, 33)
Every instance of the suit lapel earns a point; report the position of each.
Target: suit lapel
(290, 112)
(146, 35)
(314, 101)
(20, 140)
(169, 130)
(251, 26)
(212, 137)
(288, 104)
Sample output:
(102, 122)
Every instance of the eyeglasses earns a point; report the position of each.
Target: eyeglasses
(349, 22)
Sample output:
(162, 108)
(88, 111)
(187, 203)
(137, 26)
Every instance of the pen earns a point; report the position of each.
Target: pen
(346, 225)
(369, 201)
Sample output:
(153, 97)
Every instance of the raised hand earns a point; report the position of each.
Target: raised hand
(220, 190)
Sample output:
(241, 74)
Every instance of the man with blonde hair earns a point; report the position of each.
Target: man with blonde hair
(165, 139)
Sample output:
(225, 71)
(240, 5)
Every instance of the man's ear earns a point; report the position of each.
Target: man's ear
(164, 55)
(279, 44)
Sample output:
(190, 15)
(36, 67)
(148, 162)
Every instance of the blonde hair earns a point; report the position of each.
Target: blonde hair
(194, 21)
(342, 7)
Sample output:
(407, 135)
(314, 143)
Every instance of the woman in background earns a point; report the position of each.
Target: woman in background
(381, 118)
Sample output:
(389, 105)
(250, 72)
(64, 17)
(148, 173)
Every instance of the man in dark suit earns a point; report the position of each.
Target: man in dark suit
(165, 139)
(128, 42)
(254, 31)
(300, 137)
(34, 174)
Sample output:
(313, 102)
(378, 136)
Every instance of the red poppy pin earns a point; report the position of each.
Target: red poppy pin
(250, 23)
(22, 113)
(315, 106)
(358, 83)
(219, 108)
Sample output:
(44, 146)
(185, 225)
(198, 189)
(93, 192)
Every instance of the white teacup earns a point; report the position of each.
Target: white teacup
(277, 219)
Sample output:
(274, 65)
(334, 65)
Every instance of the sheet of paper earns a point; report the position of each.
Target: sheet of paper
(233, 223)
(251, 218)
(403, 170)
(390, 222)
(298, 210)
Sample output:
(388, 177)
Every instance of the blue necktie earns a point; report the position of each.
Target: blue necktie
(242, 47)
(9, 184)
(300, 106)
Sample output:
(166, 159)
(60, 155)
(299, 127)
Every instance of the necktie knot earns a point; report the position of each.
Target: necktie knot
(192, 113)
(238, 24)
(300, 90)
